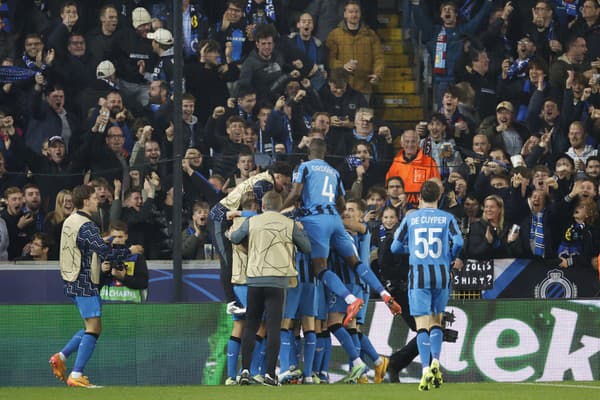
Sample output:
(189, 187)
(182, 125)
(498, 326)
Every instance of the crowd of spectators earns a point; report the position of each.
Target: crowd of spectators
(87, 97)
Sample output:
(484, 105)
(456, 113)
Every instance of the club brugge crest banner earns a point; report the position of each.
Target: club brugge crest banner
(522, 278)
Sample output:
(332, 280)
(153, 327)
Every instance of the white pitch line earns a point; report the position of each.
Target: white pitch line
(562, 385)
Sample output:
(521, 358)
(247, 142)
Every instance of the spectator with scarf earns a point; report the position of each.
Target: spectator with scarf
(35, 59)
(578, 243)
(196, 27)
(518, 79)
(162, 45)
(261, 12)
(311, 46)
(544, 30)
(231, 32)
(286, 122)
(379, 137)
(444, 41)
(361, 171)
(539, 229)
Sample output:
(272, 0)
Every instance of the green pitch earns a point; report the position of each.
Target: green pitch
(456, 391)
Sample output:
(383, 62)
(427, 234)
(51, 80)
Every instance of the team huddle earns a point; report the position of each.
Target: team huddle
(326, 284)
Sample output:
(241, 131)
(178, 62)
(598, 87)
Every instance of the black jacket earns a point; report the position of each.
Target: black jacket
(50, 176)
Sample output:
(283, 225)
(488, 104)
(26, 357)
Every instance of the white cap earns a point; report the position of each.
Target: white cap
(161, 36)
(105, 69)
(140, 16)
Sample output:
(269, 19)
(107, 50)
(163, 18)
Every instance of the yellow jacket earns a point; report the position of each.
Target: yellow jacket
(365, 47)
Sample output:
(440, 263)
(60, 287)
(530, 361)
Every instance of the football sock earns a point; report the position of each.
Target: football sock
(310, 344)
(233, 351)
(73, 344)
(357, 361)
(85, 351)
(353, 334)
(296, 353)
(334, 283)
(436, 337)
(326, 351)
(367, 347)
(319, 352)
(256, 362)
(285, 349)
(355, 339)
(424, 347)
(367, 275)
(262, 366)
(345, 340)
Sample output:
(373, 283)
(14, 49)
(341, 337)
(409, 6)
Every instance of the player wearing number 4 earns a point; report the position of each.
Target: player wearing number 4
(319, 187)
(434, 240)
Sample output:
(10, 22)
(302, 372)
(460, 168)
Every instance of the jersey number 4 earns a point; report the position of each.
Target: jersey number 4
(327, 190)
(430, 239)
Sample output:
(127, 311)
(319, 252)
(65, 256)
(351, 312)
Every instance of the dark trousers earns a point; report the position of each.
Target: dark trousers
(270, 301)
(403, 357)
(217, 231)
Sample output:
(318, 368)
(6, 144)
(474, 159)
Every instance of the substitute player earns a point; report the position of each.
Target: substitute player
(434, 240)
(81, 247)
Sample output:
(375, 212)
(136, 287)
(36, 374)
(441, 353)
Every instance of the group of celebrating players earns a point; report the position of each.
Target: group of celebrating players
(334, 282)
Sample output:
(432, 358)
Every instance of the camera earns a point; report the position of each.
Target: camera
(353, 162)
(371, 207)
(119, 266)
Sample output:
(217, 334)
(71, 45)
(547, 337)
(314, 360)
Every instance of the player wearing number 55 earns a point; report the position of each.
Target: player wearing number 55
(433, 240)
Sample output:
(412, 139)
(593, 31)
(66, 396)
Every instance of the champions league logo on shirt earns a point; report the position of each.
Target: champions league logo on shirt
(555, 286)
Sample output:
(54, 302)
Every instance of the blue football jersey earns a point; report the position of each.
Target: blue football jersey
(434, 240)
(305, 271)
(322, 184)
